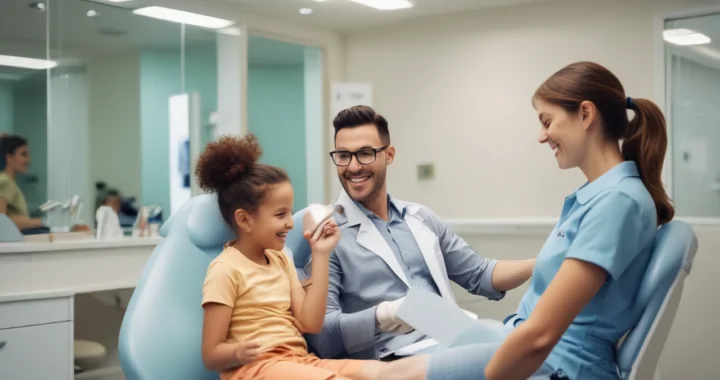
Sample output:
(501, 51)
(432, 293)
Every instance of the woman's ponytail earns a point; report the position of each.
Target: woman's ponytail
(646, 143)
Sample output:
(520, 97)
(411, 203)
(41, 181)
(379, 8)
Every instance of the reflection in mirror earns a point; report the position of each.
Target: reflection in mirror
(22, 112)
(110, 113)
(693, 77)
(285, 98)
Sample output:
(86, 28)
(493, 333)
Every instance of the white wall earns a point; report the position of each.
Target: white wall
(695, 92)
(456, 90)
(457, 93)
(6, 107)
(115, 123)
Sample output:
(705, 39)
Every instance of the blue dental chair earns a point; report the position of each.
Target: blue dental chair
(161, 331)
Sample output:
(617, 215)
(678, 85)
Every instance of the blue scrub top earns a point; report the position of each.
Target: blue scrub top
(610, 222)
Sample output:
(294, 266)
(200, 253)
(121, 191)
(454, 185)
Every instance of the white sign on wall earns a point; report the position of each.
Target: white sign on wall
(349, 94)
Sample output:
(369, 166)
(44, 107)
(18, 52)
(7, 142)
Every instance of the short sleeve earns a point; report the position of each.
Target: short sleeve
(285, 261)
(222, 284)
(611, 234)
(6, 190)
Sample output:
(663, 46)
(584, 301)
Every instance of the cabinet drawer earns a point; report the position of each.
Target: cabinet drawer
(37, 352)
(38, 311)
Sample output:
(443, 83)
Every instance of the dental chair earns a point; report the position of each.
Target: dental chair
(660, 293)
(161, 331)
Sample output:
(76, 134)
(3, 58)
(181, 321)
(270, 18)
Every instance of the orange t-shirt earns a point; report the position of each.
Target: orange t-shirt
(260, 299)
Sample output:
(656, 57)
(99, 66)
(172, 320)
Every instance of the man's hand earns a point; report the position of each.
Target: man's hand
(386, 317)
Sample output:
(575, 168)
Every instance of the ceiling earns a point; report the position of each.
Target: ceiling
(346, 16)
(708, 25)
(75, 37)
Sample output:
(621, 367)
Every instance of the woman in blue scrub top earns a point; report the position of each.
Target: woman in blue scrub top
(581, 298)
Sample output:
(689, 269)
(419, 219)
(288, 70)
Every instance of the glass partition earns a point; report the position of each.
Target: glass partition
(693, 97)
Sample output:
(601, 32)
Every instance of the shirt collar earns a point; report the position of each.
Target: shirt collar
(394, 209)
(611, 178)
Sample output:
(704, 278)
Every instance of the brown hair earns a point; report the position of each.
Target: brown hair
(229, 168)
(362, 115)
(644, 138)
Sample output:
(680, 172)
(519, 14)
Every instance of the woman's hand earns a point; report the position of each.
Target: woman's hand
(328, 239)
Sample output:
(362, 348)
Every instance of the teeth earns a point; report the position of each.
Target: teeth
(282, 234)
(358, 179)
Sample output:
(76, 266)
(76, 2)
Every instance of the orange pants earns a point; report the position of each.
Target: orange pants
(287, 366)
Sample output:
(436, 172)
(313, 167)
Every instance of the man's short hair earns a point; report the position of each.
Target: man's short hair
(362, 115)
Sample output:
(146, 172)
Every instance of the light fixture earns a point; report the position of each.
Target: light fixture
(305, 11)
(319, 1)
(26, 63)
(183, 17)
(119, 1)
(386, 5)
(685, 37)
(92, 13)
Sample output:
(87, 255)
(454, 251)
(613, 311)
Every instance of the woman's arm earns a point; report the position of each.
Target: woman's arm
(509, 274)
(22, 222)
(527, 347)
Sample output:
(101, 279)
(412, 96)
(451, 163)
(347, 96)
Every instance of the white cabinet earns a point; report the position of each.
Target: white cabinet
(36, 335)
(36, 352)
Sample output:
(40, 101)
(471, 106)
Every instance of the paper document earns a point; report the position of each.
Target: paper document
(436, 317)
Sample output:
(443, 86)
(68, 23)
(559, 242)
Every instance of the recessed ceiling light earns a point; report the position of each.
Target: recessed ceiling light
(305, 11)
(92, 13)
(119, 1)
(319, 1)
(386, 5)
(26, 63)
(685, 37)
(183, 17)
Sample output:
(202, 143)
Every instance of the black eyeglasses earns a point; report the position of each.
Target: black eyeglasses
(365, 156)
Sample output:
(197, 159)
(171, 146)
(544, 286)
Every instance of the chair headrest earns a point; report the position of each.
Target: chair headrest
(674, 250)
(205, 224)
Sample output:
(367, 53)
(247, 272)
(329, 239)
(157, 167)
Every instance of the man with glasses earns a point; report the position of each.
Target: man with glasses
(388, 246)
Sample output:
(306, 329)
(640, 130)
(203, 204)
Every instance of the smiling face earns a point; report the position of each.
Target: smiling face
(269, 225)
(564, 132)
(363, 178)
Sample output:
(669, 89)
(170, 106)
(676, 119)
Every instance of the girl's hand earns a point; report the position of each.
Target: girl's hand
(246, 353)
(328, 239)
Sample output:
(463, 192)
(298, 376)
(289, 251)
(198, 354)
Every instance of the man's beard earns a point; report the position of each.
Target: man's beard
(378, 182)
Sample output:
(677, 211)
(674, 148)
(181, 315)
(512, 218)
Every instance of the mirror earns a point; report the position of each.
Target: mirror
(285, 112)
(23, 99)
(112, 101)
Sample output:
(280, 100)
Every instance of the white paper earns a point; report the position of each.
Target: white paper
(349, 94)
(436, 317)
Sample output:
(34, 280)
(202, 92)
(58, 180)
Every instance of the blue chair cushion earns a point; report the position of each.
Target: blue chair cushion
(674, 250)
(161, 332)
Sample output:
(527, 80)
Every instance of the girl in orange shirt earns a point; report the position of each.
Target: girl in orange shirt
(255, 309)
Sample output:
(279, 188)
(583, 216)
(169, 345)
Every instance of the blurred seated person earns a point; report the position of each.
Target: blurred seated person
(14, 160)
(111, 197)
